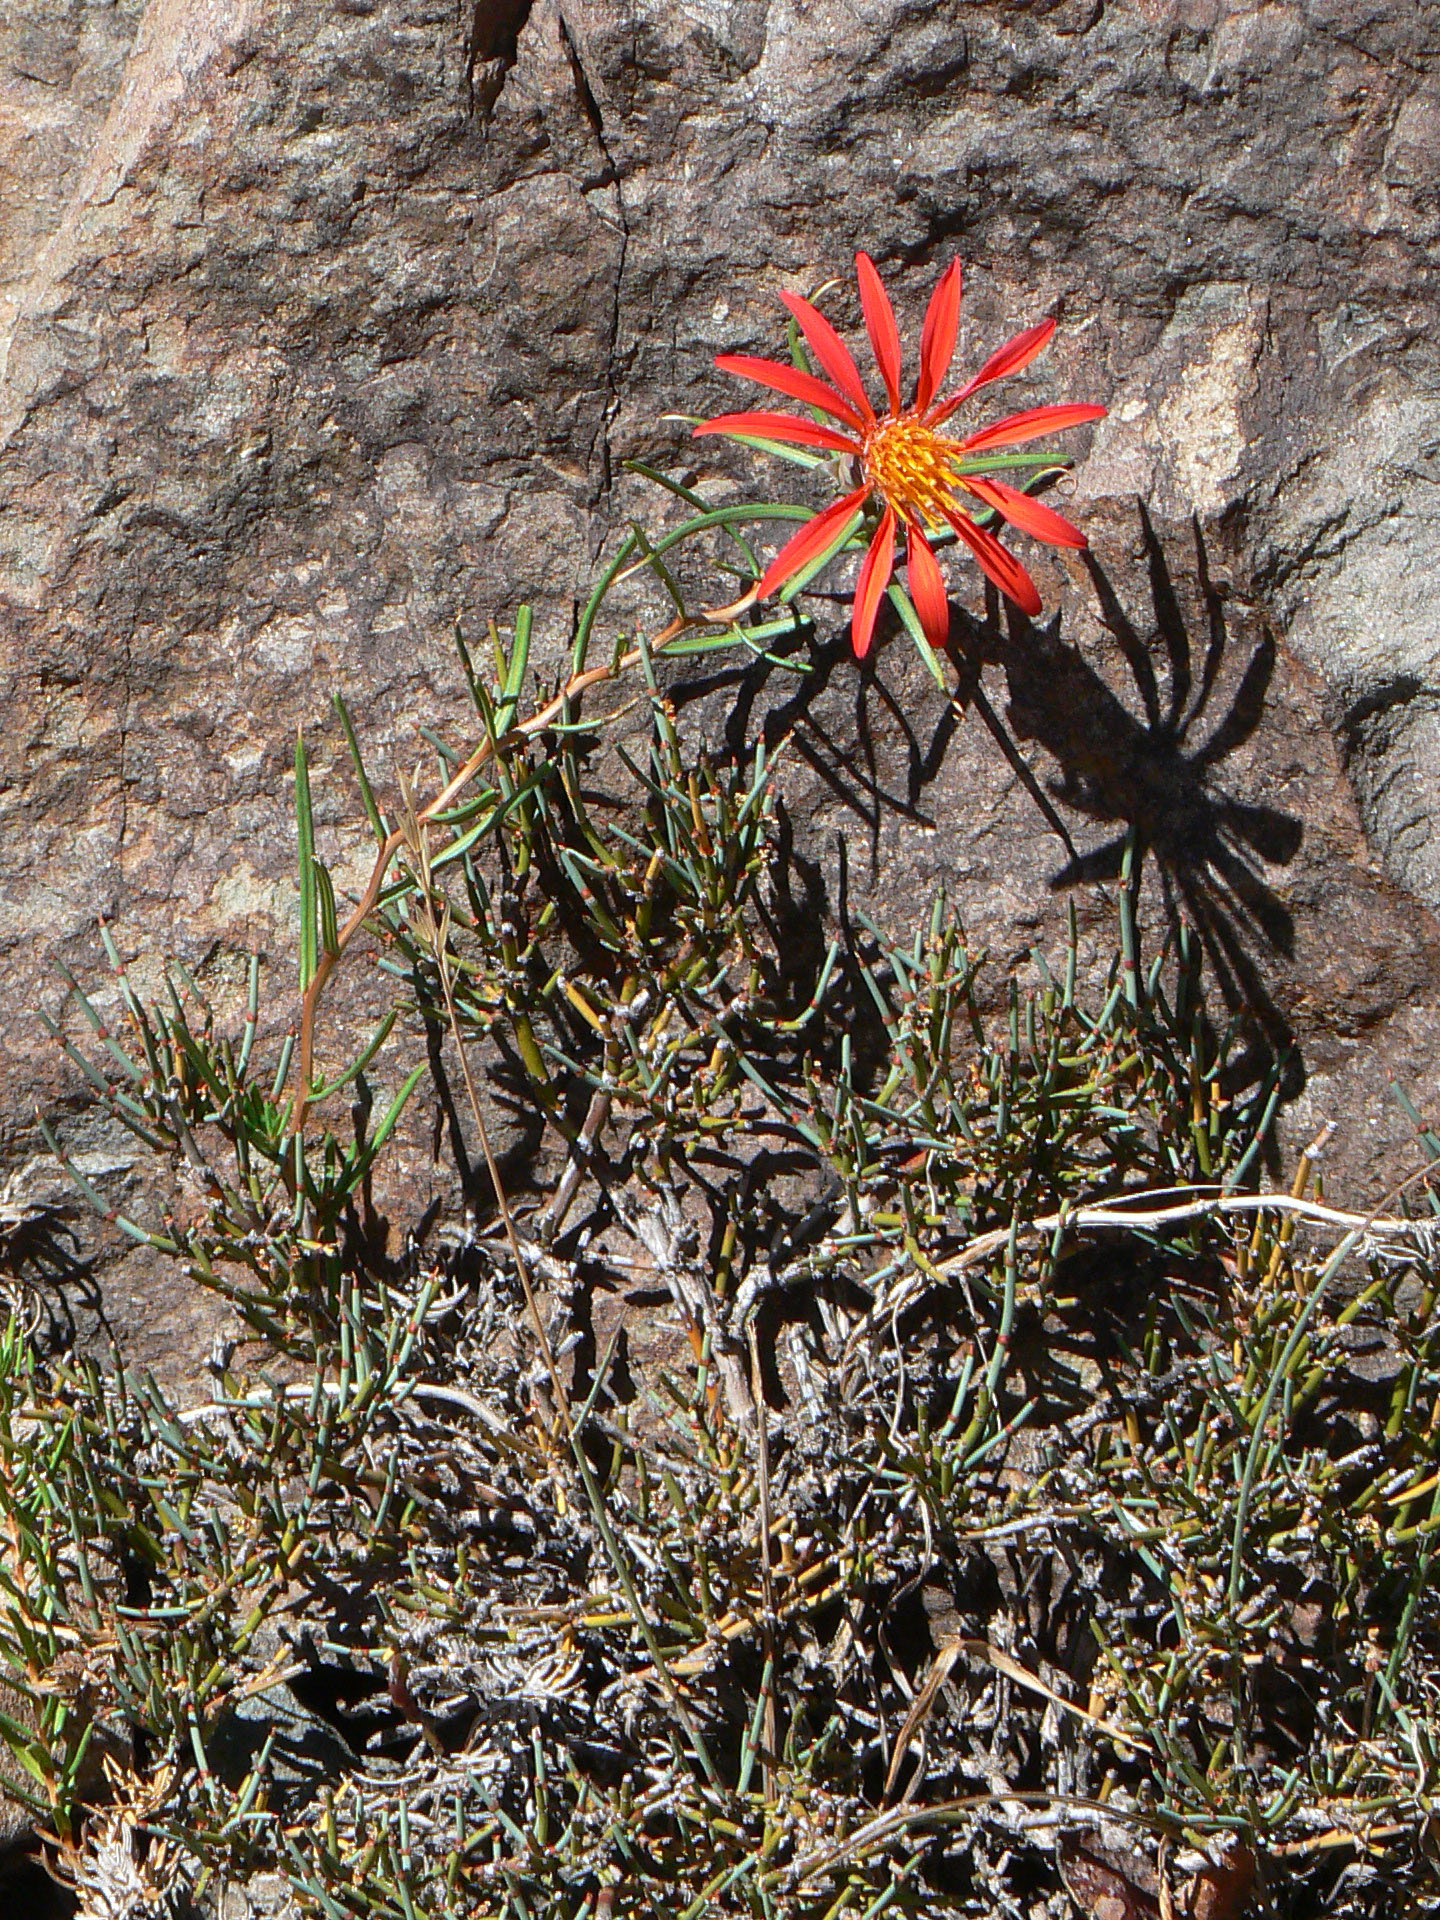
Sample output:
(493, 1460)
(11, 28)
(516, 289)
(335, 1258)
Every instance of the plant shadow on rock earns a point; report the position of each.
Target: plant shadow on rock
(1155, 777)
(1146, 763)
(45, 1278)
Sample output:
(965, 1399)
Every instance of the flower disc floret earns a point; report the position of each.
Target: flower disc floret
(911, 472)
(910, 467)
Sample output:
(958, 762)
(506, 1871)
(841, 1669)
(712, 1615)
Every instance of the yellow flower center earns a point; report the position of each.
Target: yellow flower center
(908, 464)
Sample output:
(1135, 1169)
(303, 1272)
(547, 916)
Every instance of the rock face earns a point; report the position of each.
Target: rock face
(325, 326)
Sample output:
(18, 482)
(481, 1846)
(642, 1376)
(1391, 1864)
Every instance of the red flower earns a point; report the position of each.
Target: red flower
(907, 467)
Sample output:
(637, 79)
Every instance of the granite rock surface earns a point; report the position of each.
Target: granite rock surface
(326, 325)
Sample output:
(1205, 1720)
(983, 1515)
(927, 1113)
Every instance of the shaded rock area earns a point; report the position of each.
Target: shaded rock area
(324, 328)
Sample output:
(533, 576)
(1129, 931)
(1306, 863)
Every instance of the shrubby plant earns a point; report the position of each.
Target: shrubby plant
(855, 1453)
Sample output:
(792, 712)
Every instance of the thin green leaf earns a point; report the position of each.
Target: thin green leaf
(910, 620)
(362, 1059)
(367, 795)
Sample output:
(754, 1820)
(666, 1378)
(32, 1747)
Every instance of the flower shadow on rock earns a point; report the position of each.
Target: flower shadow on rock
(1154, 777)
(46, 1281)
(1146, 762)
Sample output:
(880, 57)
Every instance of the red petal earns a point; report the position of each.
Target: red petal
(997, 564)
(875, 572)
(1033, 424)
(778, 426)
(832, 353)
(937, 336)
(799, 386)
(1010, 358)
(813, 538)
(1023, 512)
(927, 588)
(880, 325)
